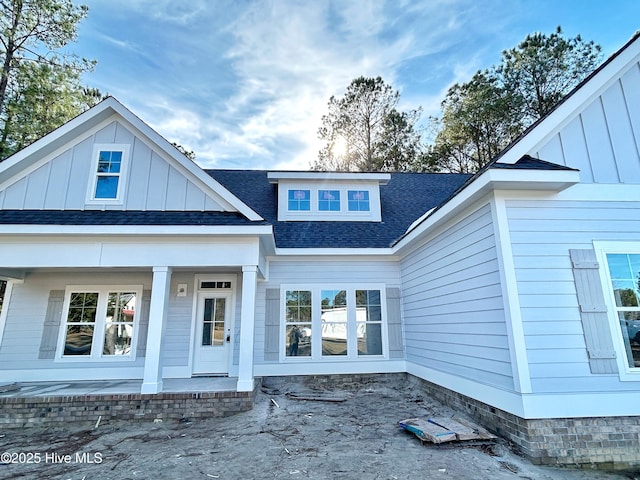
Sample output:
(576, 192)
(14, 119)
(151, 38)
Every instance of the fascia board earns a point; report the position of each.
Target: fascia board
(567, 111)
(517, 179)
(135, 230)
(289, 252)
(381, 178)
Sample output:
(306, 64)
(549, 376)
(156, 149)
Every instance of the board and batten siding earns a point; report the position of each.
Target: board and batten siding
(25, 322)
(326, 272)
(542, 233)
(151, 182)
(452, 303)
(602, 141)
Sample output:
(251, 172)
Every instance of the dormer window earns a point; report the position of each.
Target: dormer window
(328, 200)
(329, 196)
(299, 200)
(358, 200)
(108, 170)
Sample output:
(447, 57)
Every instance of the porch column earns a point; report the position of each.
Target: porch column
(247, 314)
(152, 382)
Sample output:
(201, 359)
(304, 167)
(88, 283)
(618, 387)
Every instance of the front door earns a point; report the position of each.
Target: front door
(213, 334)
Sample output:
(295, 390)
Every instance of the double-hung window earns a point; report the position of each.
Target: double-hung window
(624, 273)
(108, 171)
(343, 322)
(99, 322)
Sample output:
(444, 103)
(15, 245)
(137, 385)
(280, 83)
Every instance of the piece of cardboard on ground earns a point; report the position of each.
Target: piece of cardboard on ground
(445, 429)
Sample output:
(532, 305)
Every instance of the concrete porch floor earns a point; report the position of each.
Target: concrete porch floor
(118, 387)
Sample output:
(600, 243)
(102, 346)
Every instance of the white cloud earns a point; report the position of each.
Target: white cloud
(290, 58)
(170, 11)
(246, 84)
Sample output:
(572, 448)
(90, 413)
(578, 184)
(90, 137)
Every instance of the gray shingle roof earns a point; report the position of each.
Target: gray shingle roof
(404, 199)
(528, 162)
(119, 217)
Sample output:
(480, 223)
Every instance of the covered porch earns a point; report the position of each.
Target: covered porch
(169, 278)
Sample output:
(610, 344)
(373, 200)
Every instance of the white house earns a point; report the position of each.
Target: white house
(513, 293)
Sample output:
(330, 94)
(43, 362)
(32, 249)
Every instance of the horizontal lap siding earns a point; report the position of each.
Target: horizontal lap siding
(452, 303)
(329, 272)
(542, 232)
(27, 308)
(177, 333)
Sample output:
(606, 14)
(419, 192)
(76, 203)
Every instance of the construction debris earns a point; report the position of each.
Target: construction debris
(318, 397)
(445, 429)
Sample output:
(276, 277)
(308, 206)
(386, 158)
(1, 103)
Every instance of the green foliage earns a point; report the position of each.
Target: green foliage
(542, 69)
(481, 117)
(40, 87)
(363, 130)
(190, 154)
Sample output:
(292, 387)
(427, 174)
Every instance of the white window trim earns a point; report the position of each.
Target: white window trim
(625, 372)
(315, 214)
(93, 174)
(316, 323)
(99, 329)
(357, 190)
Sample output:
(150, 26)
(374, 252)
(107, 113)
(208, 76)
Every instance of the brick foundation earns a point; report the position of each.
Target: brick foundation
(347, 381)
(19, 412)
(611, 443)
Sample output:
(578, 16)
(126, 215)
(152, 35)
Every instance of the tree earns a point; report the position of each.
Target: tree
(42, 99)
(400, 144)
(480, 117)
(364, 131)
(542, 69)
(39, 86)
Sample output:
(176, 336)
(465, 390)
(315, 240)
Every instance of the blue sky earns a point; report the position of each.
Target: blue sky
(244, 83)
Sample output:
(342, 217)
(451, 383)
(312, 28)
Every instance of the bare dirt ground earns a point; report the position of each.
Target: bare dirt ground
(280, 438)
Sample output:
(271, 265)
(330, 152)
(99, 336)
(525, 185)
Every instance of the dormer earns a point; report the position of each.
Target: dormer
(323, 197)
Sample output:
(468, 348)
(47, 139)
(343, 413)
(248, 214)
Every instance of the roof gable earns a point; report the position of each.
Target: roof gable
(55, 172)
(597, 119)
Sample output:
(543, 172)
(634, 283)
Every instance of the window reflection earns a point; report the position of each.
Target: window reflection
(625, 283)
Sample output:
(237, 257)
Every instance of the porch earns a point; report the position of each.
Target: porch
(51, 403)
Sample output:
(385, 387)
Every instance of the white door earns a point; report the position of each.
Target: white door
(213, 334)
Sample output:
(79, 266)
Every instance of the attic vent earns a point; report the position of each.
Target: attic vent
(215, 284)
